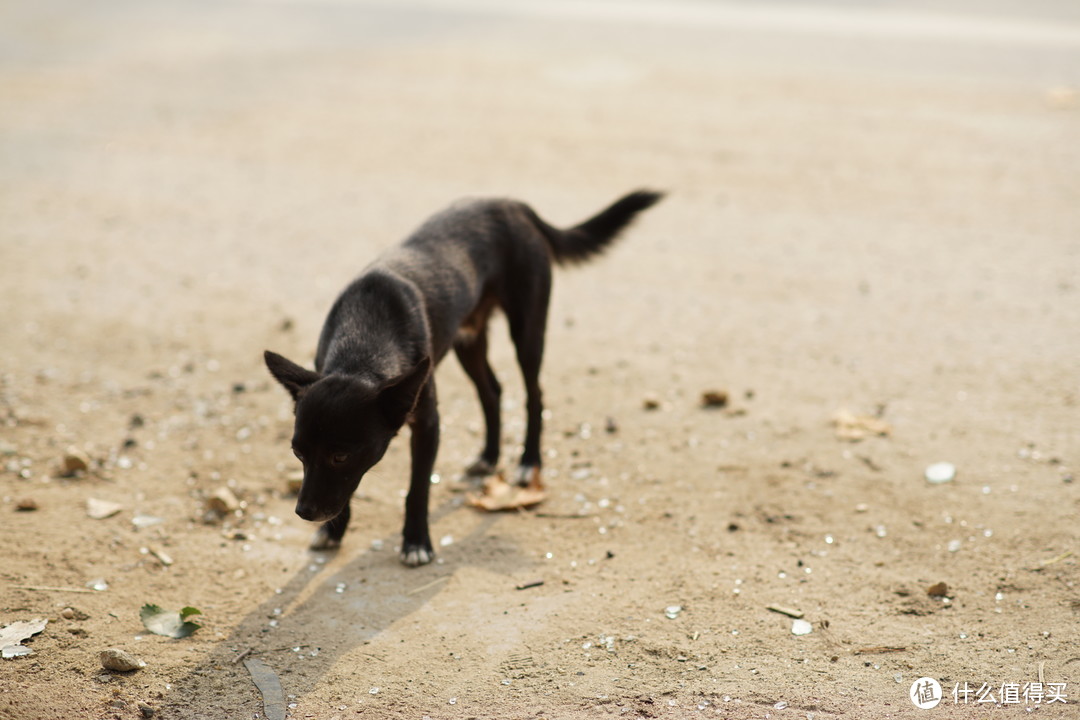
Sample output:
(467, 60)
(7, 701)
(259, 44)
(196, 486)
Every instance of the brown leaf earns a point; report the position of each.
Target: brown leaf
(501, 495)
(853, 427)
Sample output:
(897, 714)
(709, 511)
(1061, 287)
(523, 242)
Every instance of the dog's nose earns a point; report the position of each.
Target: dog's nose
(308, 511)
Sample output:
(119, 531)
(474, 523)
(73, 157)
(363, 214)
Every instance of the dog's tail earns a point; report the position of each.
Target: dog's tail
(590, 238)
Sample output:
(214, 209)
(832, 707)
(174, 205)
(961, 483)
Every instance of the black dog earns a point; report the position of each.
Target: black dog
(392, 325)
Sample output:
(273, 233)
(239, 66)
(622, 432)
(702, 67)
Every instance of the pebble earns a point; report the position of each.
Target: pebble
(73, 462)
(650, 402)
(101, 509)
(940, 473)
(26, 505)
(801, 627)
(938, 590)
(120, 661)
(145, 710)
(222, 502)
(714, 398)
(67, 613)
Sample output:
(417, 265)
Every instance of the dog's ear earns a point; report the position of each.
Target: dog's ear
(292, 376)
(398, 398)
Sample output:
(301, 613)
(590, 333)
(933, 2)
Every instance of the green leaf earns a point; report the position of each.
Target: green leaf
(169, 623)
(188, 612)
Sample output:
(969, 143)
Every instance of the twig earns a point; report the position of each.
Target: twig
(422, 588)
(562, 516)
(882, 649)
(785, 611)
(46, 588)
(1052, 561)
(533, 584)
(242, 655)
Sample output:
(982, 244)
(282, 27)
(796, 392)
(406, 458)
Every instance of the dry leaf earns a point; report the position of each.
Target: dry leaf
(501, 495)
(853, 427)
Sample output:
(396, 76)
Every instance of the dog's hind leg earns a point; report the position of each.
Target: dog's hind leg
(416, 546)
(471, 350)
(329, 534)
(528, 318)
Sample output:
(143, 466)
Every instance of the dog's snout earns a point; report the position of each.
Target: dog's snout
(309, 511)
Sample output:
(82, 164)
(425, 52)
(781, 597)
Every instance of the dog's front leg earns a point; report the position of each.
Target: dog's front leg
(424, 424)
(329, 534)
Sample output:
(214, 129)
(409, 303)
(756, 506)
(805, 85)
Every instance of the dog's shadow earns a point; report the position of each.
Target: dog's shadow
(325, 612)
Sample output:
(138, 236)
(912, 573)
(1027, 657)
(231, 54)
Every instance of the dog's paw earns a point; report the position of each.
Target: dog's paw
(323, 541)
(479, 468)
(527, 475)
(416, 555)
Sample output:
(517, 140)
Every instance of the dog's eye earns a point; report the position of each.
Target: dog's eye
(339, 459)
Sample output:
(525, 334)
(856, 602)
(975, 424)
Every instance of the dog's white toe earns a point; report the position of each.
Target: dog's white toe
(415, 557)
(526, 475)
(323, 541)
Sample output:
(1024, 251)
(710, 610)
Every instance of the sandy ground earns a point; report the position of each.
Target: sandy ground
(872, 208)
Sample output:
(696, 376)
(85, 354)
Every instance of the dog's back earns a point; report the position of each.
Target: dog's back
(467, 260)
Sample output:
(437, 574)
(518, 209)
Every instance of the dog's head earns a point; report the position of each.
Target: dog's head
(343, 428)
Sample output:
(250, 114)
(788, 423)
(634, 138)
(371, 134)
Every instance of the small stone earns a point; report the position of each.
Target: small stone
(801, 627)
(714, 398)
(940, 473)
(68, 613)
(222, 502)
(672, 611)
(101, 509)
(120, 661)
(938, 590)
(145, 710)
(650, 402)
(26, 505)
(73, 463)
(141, 521)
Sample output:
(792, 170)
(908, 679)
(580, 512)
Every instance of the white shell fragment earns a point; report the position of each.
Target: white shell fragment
(801, 627)
(11, 637)
(101, 509)
(940, 473)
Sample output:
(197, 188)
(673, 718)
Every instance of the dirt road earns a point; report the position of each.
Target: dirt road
(871, 209)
